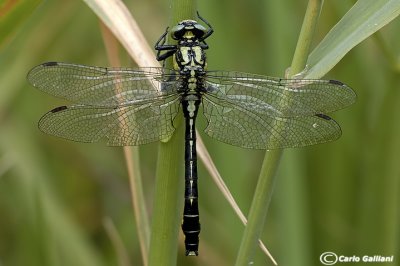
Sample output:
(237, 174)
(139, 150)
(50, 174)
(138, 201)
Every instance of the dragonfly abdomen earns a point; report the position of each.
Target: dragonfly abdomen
(191, 224)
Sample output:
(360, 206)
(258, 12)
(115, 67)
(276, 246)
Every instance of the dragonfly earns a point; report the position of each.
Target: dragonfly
(128, 106)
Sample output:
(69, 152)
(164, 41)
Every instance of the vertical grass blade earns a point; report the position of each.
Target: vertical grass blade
(169, 182)
(132, 160)
(258, 210)
(264, 189)
(167, 207)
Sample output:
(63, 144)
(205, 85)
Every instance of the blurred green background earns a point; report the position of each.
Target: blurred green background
(55, 195)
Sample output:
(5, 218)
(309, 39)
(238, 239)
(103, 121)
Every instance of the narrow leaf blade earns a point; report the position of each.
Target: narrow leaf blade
(361, 21)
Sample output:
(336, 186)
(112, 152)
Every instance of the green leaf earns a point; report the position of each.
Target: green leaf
(361, 21)
(12, 15)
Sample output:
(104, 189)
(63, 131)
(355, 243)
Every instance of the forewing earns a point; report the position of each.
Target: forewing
(279, 97)
(99, 86)
(122, 126)
(249, 128)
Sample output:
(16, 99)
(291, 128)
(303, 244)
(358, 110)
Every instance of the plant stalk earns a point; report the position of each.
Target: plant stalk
(167, 207)
(169, 191)
(264, 189)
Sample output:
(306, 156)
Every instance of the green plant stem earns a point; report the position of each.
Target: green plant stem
(167, 202)
(306, 36)
(169, 194)
(258, 210)
(264, 189)
(182, 9)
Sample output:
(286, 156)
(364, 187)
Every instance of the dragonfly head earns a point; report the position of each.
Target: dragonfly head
(188, 29)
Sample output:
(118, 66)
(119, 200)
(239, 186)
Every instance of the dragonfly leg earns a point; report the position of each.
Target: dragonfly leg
(161, 46)
(204, 45)
(162, 57)
(161, 41)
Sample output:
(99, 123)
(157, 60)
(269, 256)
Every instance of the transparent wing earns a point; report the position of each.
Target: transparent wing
(122, 126)
(249, 127)
(279, 97)
(98, 86)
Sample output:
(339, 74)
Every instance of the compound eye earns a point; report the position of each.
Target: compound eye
(177, 32)
(199, 30)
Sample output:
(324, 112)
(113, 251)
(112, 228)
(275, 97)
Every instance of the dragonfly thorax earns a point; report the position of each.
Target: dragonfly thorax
(193, 56)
